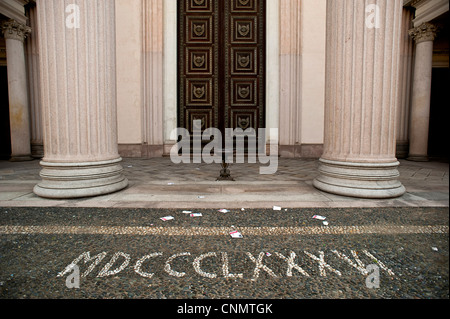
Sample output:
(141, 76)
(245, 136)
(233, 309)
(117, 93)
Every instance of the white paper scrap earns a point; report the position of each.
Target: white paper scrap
(325, 223)
(187, 212)
(224, 211)
(236, 234)
(276, 208)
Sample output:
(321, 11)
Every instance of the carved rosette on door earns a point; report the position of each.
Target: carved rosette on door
(221, 49)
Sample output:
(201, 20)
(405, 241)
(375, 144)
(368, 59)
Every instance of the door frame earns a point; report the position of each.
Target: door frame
(170, 80)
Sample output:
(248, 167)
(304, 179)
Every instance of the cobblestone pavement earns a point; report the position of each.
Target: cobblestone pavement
(132, 253)
(124, 250)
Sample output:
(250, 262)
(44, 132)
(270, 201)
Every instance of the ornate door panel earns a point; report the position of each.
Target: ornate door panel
(244, 64)
(221, 77)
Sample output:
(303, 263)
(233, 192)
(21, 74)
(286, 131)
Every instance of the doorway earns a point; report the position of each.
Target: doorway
(221, 64)
(439, 115)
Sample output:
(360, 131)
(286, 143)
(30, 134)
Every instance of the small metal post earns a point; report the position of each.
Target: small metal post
(225, 171)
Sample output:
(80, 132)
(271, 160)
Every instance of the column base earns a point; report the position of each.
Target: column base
(402, 150)
(21, 158)
(362, 180)
(37, 150)
(418, 158)
(76, 180)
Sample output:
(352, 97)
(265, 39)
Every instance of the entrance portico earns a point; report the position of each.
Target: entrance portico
(81, 123)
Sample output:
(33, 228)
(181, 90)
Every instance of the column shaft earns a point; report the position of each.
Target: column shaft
(19, 115)
(32, 54)
(77, 62)
(362, 71)
(405, 85)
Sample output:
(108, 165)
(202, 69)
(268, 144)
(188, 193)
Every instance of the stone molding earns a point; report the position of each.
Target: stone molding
(415, 3)
(305, 151)
(425, 32)
(14, 30)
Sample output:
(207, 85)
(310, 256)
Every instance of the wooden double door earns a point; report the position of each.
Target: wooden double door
(221, 61)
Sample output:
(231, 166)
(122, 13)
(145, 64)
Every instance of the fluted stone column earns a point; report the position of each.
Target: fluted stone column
(19, 115)
(362, 71)
(424, 36)
(405, 85)
(32, 55)
(77, 63)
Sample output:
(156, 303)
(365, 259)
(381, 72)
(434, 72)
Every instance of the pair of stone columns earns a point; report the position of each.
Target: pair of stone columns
(15, 34)
(362, 95)
(79, 107)
(24, 105)
(78, 87)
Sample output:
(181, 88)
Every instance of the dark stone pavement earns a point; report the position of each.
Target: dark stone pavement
(412, 264)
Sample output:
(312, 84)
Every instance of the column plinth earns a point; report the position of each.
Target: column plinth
(364, 180)
(362, 71)
(78, 76)
(82, 179)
